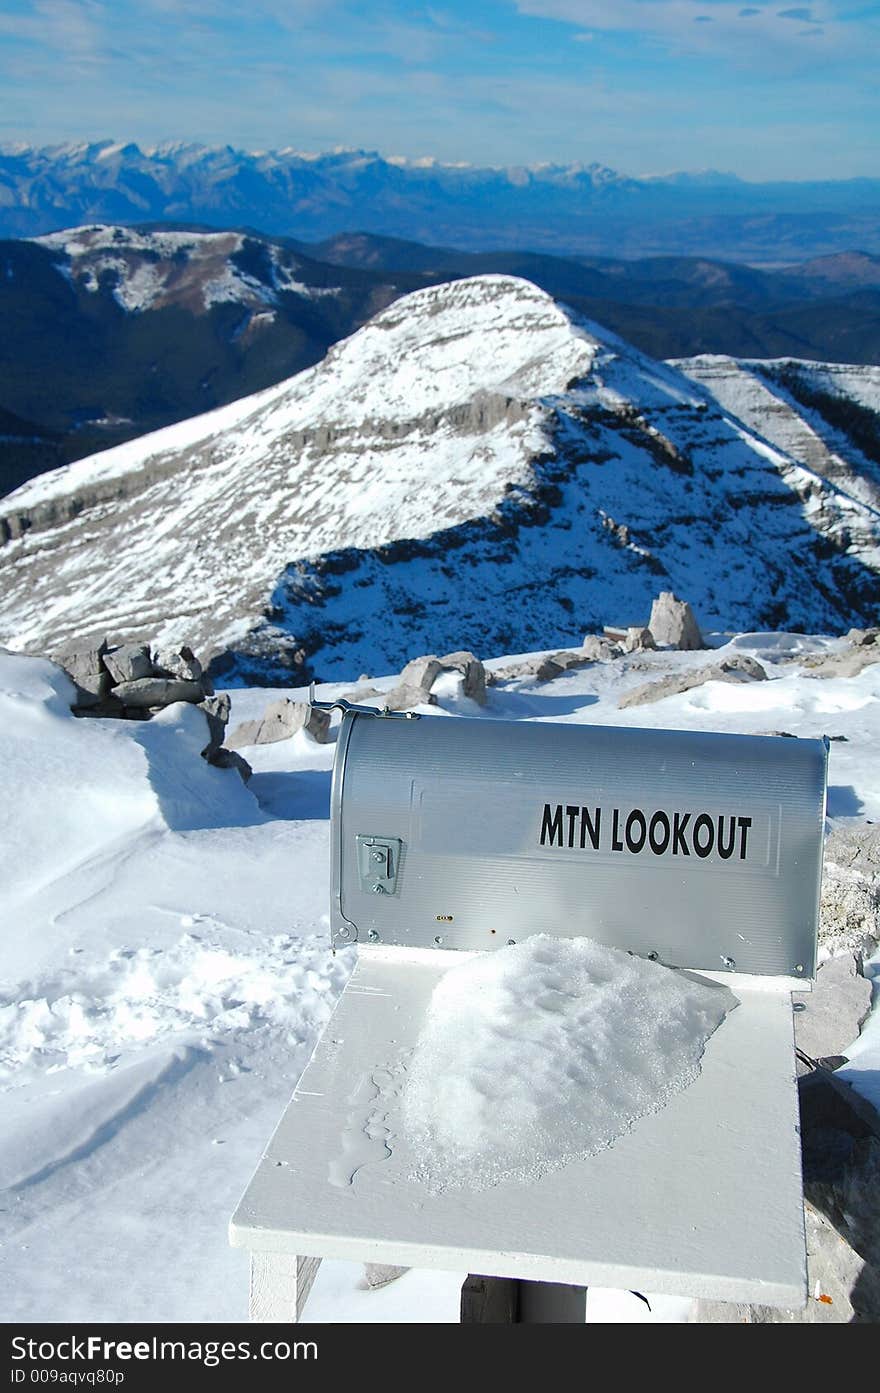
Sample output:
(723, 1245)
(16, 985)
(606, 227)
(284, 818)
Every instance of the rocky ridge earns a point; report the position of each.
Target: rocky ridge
(475, 466)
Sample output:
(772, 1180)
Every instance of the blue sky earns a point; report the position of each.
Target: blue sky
(764, 90)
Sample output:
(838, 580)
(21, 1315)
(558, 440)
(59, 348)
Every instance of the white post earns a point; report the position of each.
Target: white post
(279, 1286)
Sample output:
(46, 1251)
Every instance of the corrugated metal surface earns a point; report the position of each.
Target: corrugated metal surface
(704, 849)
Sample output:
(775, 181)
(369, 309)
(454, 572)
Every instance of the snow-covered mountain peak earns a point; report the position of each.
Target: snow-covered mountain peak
(490, 335)
(475, 466)
(440, 346)
(150, 269)
(493, 348)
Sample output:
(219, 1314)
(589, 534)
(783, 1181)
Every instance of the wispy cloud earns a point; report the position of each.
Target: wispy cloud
(730, 30)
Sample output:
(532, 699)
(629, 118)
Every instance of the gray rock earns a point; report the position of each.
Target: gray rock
(740, 668)
(473, 672)
(158, 691)
(421, 672)
(402, 698)
(673, 624)
(557, 663)
(248, 733)
(846, 664)
(831, 1015)
(360, 695)
(379, 1274)
(231, 759)
(281, 720)
(399, 698)
(216, 709)
(528, 667)
(84, 665)
(129, 663)
(548, 669)
(545, 669)
(637, 639)
(92, 689)
(860, 637)
(82, 659)
(178, 662)
(108, 708)
(849, 917)
(600, 650)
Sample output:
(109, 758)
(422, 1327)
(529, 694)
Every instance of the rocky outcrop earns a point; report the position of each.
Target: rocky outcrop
(421, 673)
(129, 680)
(828, 1019)
(545, 668)
(637, 639)
(413, 687)
(280, 721)
(850, 905)
(673, 624)
(132, 681)
(860, 637)
(740, 668)
(599, 650)
(472, 671)
(849, 662)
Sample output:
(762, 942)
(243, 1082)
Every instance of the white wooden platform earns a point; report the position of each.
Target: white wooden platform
(702, 1199)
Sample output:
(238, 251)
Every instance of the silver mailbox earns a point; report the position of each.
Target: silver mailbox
(704, 850)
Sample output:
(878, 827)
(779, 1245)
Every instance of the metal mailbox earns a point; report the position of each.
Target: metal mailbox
(702, 850)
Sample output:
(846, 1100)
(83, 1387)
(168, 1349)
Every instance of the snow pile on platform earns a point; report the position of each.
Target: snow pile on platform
(546, 1051)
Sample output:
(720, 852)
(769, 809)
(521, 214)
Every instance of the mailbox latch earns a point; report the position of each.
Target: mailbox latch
(378, 861)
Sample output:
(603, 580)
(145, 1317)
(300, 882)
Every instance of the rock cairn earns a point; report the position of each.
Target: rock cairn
(132, 681)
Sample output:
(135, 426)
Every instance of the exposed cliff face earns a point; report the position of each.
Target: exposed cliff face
(476, 466)
(783, 401)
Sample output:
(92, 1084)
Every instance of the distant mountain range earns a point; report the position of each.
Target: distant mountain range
(477, 467)
(584, 209)
(110, 332)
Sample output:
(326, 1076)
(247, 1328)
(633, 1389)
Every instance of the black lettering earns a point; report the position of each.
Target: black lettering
(590, 827)
(572, 813)
(551, 826)
(704, 823)
(679, 823)
(725, 851)
(616, 843)
(744, 825)
(635, 843)
(659, 820)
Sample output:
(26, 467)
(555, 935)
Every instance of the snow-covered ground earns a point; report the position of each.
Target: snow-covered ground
(165, 970)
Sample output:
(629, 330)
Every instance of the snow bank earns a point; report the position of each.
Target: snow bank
(67, 788)
(546, 1051)
(73, 789)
